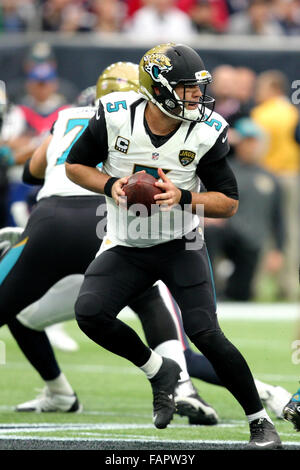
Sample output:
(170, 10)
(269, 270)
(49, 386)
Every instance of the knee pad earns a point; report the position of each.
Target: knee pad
(211, 339)
(89, 312)
(197, 320)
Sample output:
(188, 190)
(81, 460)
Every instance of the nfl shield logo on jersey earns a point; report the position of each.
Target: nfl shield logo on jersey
(186, 157)
(155, 156)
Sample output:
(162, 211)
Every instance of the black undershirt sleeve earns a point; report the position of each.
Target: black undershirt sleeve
(92, 146)
(218, 176)
(218, 150)
(214, 170)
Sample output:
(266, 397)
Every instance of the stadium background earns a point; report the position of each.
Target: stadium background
(93, 54)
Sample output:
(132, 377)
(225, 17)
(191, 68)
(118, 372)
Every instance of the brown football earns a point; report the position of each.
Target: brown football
(140, 189)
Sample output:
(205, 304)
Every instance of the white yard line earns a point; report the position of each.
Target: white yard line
(55, 427)
(138, 438)
(125, 370)
(245, 311)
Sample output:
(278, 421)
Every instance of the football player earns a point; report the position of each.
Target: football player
(174, 119)
(45, 253)
(57, 305)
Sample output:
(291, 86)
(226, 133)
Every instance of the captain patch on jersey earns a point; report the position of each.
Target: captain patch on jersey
(122, 144)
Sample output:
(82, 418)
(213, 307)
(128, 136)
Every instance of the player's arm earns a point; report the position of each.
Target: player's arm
(35, 167)
(221, 198)
(87, 152)
(38, 161)
(216, 202)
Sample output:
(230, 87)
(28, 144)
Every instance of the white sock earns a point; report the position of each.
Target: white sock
(173, 350)
(60, 385)
(259, 414)
(152, 366)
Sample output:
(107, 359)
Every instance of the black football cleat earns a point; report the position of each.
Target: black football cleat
(291, 411)
(263, 436)
(163, 386)
(189, 403)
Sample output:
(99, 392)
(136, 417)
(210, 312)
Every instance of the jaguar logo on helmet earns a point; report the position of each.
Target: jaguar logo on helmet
(155, 64)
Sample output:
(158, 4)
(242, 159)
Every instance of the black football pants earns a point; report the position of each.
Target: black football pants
(117, 276)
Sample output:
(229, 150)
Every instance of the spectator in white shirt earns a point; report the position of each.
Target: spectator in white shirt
(159, 21)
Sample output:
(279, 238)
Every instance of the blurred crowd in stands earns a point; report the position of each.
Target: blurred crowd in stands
(158, 19)
(262, 240)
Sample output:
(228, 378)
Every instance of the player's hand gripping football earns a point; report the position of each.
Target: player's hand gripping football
(117, 191)
(171, 195)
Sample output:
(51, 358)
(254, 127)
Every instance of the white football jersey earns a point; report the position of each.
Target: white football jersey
(69, 126)
(130, 150)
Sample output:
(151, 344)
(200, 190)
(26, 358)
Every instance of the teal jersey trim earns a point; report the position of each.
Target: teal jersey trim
(150, 171)
(10, 259)
(82, 124)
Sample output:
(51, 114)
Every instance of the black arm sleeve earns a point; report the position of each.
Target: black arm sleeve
(218, 150)
(28, 178)
(218, 176)
(92, 147)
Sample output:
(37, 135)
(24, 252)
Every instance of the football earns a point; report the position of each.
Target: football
(140, 189)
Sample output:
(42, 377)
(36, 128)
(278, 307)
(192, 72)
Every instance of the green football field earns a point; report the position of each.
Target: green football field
(117, 398)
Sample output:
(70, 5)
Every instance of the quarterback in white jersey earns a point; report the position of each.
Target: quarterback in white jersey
(60, 240)
(58, 303)
(171, 117)
(130, 150)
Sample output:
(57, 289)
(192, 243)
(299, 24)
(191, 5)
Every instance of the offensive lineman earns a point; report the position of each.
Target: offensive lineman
(172, 120)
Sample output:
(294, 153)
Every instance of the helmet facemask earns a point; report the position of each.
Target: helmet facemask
(171, 104)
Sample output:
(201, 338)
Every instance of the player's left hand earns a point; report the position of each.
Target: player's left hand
(117, 189)
(171, 195)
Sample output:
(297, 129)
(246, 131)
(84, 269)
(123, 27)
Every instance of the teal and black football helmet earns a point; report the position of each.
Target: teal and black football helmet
(164, 67)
